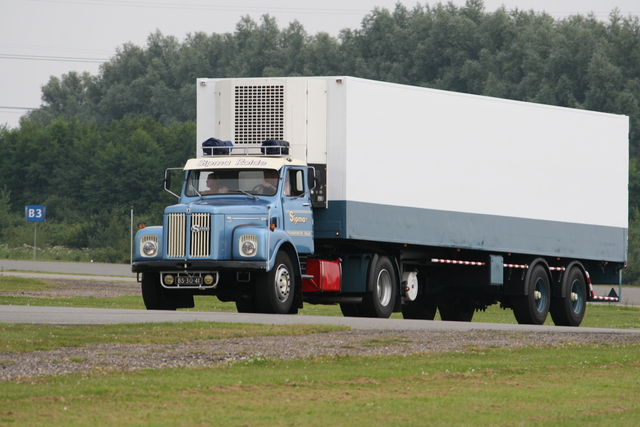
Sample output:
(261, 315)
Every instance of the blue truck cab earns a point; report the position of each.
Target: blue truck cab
(241, 225)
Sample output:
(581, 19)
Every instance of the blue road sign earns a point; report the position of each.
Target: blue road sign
(35, 213)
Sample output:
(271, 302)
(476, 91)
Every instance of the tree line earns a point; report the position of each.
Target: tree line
(88, 177)
(99, 142)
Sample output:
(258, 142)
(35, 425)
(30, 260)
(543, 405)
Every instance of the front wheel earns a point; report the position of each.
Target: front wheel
(275, 289)
(156, 297)
(533, 308)
(247, 306)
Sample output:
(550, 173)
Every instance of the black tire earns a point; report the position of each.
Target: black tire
(380, 300)
(569, 310)
(533, 308)
(456, 312)
(350, 310)
(156, 297)
(275, 289)
(421, 308)
(247, 306)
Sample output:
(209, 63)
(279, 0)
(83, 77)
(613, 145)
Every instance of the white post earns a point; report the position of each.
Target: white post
(131, 236)
(35, 233)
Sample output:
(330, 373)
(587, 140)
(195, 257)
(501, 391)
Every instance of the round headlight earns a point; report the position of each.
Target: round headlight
(249, 248)
(168, 279)
(150, 248)
(208, 279)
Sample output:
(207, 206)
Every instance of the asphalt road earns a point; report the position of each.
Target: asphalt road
(89, 316)
(116, 272)
(82, 268)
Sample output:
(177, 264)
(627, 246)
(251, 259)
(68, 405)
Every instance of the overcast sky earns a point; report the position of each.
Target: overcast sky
(43, 38)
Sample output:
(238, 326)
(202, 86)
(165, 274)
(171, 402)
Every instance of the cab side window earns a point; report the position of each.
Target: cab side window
(294, 183)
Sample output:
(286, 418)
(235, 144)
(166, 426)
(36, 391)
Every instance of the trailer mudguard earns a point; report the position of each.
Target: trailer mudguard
(355, 270)
(514, 281)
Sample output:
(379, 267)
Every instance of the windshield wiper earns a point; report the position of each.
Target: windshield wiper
(244, 192)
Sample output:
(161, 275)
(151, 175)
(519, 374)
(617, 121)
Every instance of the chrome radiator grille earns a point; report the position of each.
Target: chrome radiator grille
(200, 235)
(176, 236)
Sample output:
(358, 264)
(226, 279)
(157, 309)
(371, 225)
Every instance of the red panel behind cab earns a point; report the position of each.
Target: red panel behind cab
(326, 276)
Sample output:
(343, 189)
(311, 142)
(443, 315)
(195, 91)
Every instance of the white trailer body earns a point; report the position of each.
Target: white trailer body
(426, 167)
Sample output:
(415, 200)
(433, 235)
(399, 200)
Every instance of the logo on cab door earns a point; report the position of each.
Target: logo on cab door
(297, 219)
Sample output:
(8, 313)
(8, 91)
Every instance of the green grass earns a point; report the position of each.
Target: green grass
(567, 385)
(49, 253)
(586, 384)
(21, 337)
(22, 284)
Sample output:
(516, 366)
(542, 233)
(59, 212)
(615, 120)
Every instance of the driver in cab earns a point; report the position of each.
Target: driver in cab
(270, 184)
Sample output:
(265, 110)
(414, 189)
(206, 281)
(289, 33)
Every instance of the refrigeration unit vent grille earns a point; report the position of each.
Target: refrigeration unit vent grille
(259, 114)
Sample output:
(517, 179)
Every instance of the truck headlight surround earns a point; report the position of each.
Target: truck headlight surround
(149, 246)
(248, 245)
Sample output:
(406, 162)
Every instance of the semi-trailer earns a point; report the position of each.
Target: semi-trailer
(388, 198)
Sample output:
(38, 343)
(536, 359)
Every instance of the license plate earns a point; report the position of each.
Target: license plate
(189, 280)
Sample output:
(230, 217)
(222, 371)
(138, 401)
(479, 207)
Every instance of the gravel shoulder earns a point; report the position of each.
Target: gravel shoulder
(117, 357)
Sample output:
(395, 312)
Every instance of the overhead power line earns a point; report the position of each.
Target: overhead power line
(199, 6)
(2, 107)
(51, 58)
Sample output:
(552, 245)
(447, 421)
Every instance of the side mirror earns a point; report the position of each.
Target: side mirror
(311, 178)
(167, 181)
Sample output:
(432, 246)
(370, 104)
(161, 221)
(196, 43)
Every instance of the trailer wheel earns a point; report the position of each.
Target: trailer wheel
(459, 312)
(532, 309)
(275, 289)
(569, 311)
(380, 300)
(156, 297)
(421, 308)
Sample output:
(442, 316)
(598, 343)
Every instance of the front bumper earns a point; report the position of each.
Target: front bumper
(199, 265)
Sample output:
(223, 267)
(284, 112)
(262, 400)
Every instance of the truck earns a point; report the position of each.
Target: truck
(384, 198)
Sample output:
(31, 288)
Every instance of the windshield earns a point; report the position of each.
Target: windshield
(228, 181)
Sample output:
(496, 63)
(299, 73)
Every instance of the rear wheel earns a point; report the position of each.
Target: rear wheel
(350, 310)
(380, 300)
(569, 310)
(156, 297)
(533, 308)
(275, 289)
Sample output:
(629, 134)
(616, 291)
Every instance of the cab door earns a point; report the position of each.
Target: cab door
(296, 204)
